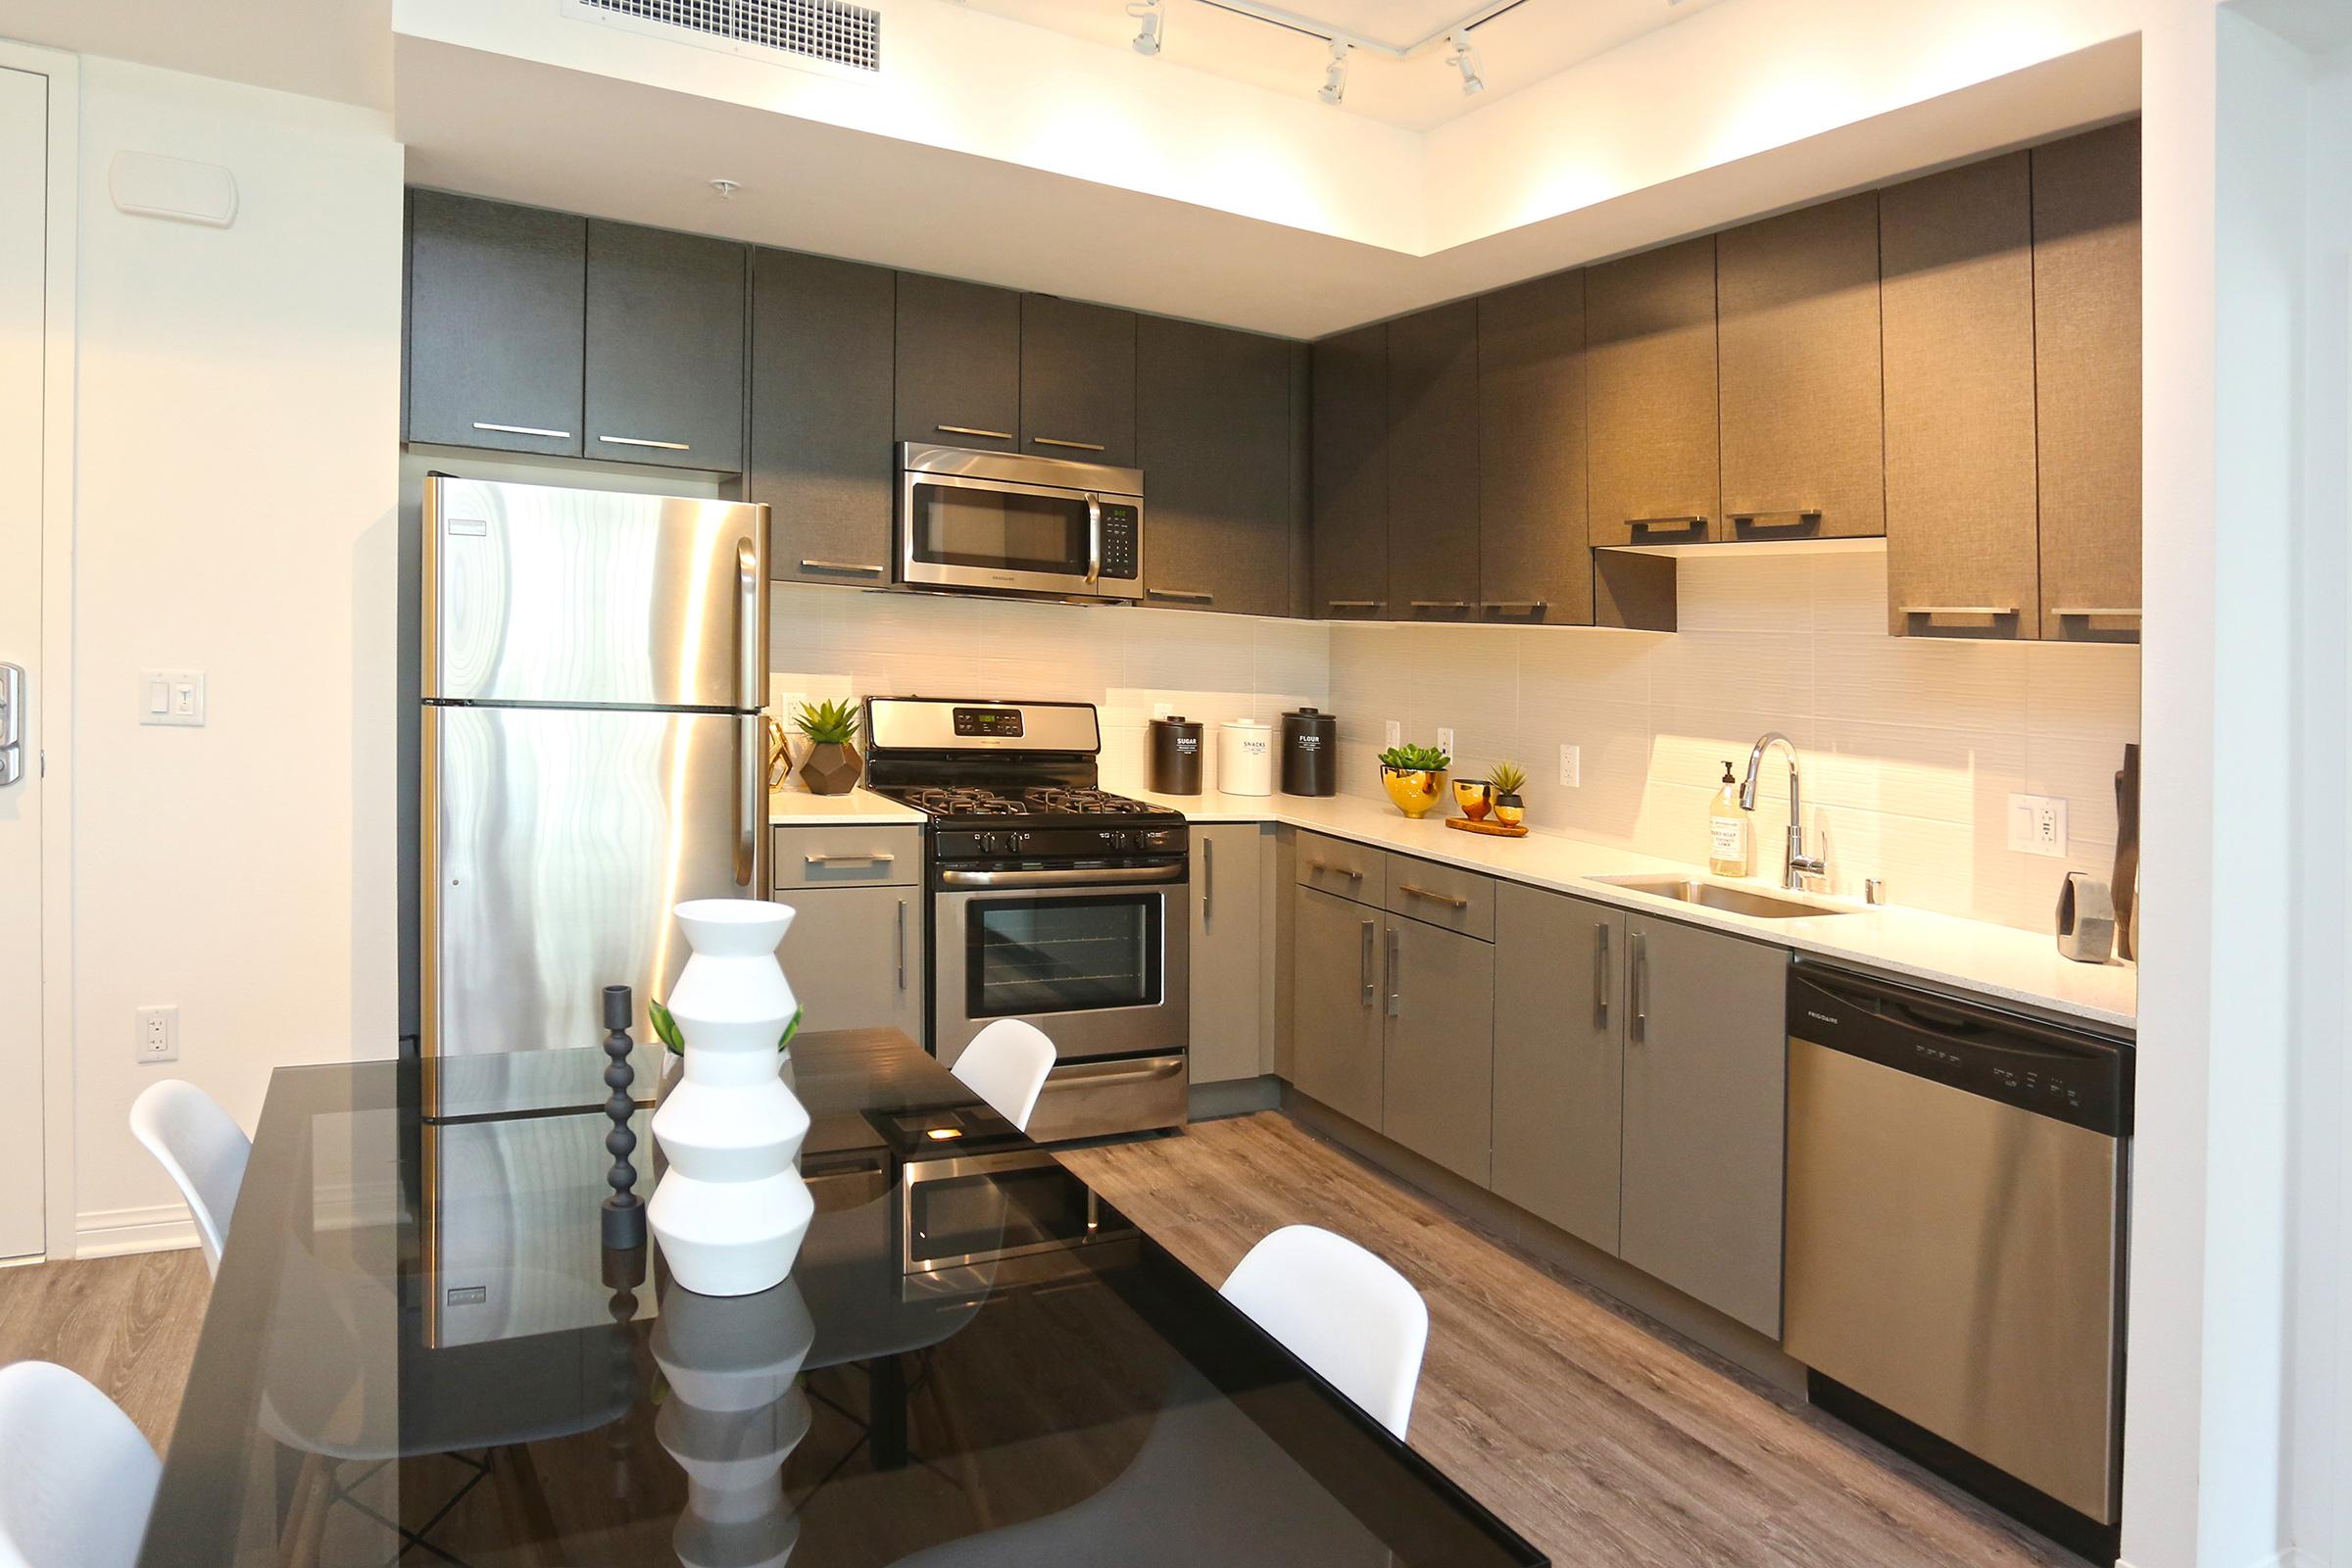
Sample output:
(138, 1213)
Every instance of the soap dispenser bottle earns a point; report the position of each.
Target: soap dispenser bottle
(1728, 829)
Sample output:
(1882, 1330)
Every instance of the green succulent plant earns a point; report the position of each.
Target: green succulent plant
(833, 722)
(1415, 759)
(1508, 778)
(666, 1028)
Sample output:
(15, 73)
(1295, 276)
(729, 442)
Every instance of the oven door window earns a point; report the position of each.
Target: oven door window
(1025, 956)
(1001, 530)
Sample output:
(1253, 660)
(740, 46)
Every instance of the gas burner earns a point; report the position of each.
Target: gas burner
(963, 799)
(1083, 799)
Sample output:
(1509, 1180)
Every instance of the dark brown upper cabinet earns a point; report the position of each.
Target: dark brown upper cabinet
(1432, 464)
(664, 348)
(1077, 381)
(2087, 382)
(1650, 396)
(1963, 553)
(822, 332)
(959, 363)
(496, 317)
(1798, 302)
(1351, 425)
(1214, 434)
(1534, 565)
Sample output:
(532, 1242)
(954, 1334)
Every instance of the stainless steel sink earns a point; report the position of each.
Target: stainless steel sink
(1715, 896)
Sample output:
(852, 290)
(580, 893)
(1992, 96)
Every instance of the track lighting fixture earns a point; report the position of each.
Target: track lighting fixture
(1465, 60)
(1153, 16)
(1334, 73)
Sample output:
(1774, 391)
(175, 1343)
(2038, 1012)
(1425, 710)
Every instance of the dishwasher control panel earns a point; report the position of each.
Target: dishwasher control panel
(2069, 1076)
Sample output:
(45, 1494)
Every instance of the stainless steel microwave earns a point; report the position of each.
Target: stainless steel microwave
(1003, 523)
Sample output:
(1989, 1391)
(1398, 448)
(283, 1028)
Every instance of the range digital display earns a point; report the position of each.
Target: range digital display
(995, 724)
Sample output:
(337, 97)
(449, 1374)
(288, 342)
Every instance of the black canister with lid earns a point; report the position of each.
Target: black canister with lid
(1176, 756)
(1311, 744)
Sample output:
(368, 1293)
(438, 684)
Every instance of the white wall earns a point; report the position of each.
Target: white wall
(238, 424)
(1911, 746)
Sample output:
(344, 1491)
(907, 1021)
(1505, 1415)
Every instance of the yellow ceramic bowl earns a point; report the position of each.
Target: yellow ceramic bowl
(1415, 790)
(1510, 816)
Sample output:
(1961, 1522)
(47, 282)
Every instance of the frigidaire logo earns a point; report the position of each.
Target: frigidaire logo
(1823, 1017)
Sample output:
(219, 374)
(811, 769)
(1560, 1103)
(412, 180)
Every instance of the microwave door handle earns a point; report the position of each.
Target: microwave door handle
(1094, 540)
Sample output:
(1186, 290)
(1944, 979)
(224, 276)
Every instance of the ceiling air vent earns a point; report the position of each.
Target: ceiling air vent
(829, 32)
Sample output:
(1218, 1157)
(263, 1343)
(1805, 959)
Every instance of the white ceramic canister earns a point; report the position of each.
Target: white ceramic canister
(1246, 758)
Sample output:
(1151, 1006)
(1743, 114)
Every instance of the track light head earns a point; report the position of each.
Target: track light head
(1334, 73)
(1154, 17)
(1465, 60)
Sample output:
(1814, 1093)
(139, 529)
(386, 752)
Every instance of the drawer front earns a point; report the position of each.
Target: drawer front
(1440, 895)
(1339, 865)
(848, 856)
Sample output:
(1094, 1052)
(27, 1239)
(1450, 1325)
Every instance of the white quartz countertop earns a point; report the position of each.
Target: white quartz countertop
(1995, 961)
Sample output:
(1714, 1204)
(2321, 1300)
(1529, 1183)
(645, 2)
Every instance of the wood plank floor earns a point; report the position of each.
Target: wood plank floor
(128, 1324)
(1604, 1438)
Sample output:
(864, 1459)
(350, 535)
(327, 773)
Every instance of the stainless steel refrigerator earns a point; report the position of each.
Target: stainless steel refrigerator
(589, 754)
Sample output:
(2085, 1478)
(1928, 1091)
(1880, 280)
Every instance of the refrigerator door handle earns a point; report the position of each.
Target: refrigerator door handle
(749, 772)
(750, 751)
(751, 687)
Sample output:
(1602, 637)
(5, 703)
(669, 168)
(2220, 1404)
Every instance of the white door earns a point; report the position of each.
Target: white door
(24, 227)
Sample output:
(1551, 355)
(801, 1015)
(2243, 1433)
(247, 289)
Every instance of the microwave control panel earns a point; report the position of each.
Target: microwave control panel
(1121, 526)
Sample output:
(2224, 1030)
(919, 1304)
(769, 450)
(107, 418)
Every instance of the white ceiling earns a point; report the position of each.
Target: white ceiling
(1535, 39)
(336, 49)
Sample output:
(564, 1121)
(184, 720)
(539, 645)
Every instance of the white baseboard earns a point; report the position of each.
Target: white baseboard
(114, 1231)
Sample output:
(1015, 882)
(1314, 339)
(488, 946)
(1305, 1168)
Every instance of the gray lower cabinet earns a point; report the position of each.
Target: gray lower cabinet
(496, 314)
(1559, 1037)
(857, 958)
(664, 348)
(1077, 381)
(1437, 1090)
(1213, 437)
(959, 363)
(822, 336)
(1704, 1098)
(1228, 958)
(1337, 1006)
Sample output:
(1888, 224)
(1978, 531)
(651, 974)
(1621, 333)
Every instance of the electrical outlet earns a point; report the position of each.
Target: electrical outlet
(158, 1037)
(1572, 767)
(1445, 741)
(1162, 709)
(2037, 824)
(1394, 732)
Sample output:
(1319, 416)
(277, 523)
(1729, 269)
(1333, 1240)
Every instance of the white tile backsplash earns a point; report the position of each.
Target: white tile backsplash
(1911, 747)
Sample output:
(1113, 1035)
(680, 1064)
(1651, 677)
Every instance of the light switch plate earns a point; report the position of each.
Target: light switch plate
(1394, 732)
(1572, 767)
(1445, 741)
(2037, 824)
(172, 696)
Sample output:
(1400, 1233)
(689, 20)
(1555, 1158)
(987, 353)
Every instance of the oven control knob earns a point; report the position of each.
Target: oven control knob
(993, 844)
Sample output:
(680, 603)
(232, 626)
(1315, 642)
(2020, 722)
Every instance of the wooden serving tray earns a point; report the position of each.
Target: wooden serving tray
(1492, 829)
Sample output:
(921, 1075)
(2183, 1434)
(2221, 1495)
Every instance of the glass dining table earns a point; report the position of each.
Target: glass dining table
(418, 1351)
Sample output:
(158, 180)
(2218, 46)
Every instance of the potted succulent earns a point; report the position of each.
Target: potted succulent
(1414, 777)
(1508, 780)
(832, 764)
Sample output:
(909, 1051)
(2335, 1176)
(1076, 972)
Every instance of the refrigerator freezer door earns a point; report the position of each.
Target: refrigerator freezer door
(556, 840)
(535, 593)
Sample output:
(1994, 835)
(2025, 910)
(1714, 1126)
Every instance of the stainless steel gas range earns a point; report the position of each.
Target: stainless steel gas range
(1050, 900)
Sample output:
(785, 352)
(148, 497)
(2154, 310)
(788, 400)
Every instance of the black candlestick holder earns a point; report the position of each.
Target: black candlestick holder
(625, 1211)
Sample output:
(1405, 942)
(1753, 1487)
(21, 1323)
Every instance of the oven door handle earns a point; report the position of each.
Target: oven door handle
(1072, 876)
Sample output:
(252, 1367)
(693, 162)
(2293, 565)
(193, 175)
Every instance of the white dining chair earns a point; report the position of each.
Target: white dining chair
(77, 1478)
(1006, 1064)
(202, 1151)
(1342, 1311)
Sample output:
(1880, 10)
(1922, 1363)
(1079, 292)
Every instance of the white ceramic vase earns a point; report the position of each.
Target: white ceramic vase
(731, 1210)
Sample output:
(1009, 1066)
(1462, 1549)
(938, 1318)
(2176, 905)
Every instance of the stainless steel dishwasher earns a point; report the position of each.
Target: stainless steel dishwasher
(1957, 1186)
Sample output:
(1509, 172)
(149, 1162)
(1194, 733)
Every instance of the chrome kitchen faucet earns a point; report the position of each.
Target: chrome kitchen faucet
(1795, 865)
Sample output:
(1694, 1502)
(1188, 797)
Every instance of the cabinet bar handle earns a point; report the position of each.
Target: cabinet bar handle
(1638, 983)
(1534, 607)
(1601, 973)
(1796, 518)
(857, 568)
(1354, 604)
(1645, 524)
(1185, 595)
(1349, 871)
(1959, 609)
(1440, 603)
(1075, 446)
(2086, 614)
(1395, 976)
(1364, 967)
(523, 429)
(869, 858)
(1446, 899)
(968, 429)
(640, 441)
(902, 944)
(1208, 878)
